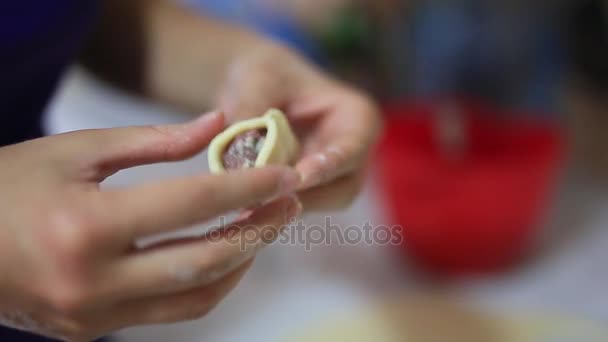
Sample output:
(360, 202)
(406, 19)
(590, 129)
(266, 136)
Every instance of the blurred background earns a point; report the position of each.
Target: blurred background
(494, 160)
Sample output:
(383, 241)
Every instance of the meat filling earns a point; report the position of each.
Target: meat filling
(243, 151)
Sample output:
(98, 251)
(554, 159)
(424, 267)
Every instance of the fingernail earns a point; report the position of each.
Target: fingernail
(208, 117)
(289, 182)
(311, 180)
(315, 178)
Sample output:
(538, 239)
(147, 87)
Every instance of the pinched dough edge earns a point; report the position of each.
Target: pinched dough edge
(280, 147)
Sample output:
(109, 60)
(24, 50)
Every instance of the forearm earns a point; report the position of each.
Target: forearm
(164, 51)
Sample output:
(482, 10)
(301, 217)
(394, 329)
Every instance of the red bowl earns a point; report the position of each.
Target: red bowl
(482, 212)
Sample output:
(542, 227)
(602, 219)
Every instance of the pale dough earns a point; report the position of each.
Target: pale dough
(280, 147)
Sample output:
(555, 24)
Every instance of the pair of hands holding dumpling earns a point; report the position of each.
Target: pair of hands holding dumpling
(323, 128)
(68, 259)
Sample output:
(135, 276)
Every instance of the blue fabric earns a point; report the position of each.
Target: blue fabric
(38, 40)
(256, 15)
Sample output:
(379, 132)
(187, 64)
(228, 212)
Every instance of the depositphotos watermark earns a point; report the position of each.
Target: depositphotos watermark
(298, 233)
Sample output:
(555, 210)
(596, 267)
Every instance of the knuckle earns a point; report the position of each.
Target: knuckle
(199, 272)
(169, 146)
(68, 299)
(159, 132)
(212, 267)
(68, 236)
(205, 271)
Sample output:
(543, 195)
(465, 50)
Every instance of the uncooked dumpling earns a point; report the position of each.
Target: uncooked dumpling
(267, 140)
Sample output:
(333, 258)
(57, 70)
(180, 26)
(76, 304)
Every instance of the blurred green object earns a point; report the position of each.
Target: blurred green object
(348, 36)
(350, 41)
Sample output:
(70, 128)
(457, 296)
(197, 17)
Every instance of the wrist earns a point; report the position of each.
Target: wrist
(189, 55)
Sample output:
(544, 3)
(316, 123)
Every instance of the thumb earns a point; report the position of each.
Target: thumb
(107, 151)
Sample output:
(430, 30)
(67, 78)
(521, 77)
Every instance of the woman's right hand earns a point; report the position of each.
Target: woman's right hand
(68, 265)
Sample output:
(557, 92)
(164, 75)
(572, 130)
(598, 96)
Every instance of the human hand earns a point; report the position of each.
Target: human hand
(69, 267)
(337, 125)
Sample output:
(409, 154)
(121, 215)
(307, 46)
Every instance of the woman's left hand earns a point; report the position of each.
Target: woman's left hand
(337, 125)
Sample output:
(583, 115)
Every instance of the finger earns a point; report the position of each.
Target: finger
(331, 162)
(163, 207)
(185, 306)
(342, 141)
(197, 262)
(337, 195)
(106, 151)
